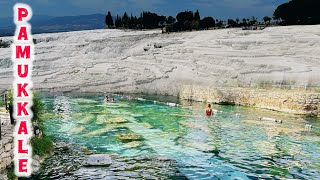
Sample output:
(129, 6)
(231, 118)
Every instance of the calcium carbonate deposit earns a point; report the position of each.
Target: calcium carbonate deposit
(139, 61)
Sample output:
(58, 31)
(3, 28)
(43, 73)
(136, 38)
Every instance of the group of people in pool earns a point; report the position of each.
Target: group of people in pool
(108, 99)
(208, 111)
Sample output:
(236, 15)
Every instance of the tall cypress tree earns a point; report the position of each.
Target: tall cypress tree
(118, 21)
(125, 20)
(197, 15)
(109, 20)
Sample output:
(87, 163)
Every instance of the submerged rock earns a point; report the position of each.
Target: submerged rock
(116, 105)
(35, 165)
(133, 144)
(196, 125)
(197, 145)
(128, 137)
(87, 119)
(50, 116)
(84, 100)
(98, 160)
(101, 119)
(145, 124)
(114, 111)
(136, 115)
(108, 128)
(117, 120)
(70, 165)
(129, 118)
(265, 147)
(77, 129)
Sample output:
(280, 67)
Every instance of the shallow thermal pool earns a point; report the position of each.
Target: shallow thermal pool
(225, 146)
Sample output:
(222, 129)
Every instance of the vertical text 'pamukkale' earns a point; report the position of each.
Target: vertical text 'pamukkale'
(22, 57)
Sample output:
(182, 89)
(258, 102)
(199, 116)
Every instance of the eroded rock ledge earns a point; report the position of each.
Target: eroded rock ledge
(291, 101)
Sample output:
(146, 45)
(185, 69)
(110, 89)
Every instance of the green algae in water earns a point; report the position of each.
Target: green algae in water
(225, 146)
(117, 120)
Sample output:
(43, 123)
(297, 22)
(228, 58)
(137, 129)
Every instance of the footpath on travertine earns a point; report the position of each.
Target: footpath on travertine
(6, 142)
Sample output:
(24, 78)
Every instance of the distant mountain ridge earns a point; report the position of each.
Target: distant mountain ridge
(48, 24)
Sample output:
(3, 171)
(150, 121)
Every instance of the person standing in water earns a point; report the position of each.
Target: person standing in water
(208, 111)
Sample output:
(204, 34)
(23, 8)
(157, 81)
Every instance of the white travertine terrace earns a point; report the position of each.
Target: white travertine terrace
(116, 60)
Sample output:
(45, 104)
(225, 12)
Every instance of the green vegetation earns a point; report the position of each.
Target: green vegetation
(109, 20)
(184, 21)
(2, 104)
(10, 97)
(42, 145)
(298, 12)
(290, 13)
(37, 109)
(267, 19)
(11, 175)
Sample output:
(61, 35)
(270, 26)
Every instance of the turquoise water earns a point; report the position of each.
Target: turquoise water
(225, 146)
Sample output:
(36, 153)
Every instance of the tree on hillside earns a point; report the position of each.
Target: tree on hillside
(195, 25)
(232, 23)
(162, 21)
(152, 20)
(207, 22)
(298, 12)
(118, 21)
(197, 16)
(187, 26)
(146, 20)
(185, 16)
(109, 20)
(219, 23)
(244, 22)
(266, 19)
(252, 21)
(170, 20)
(139, 24)
(125, 20)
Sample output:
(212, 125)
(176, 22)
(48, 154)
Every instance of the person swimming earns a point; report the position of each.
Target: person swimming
(106, 99)
(208, 111)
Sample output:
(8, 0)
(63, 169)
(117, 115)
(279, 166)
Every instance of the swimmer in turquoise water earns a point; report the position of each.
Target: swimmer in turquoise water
(208, 111)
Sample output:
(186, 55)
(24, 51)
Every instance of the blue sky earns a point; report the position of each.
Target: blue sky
(221, 9)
